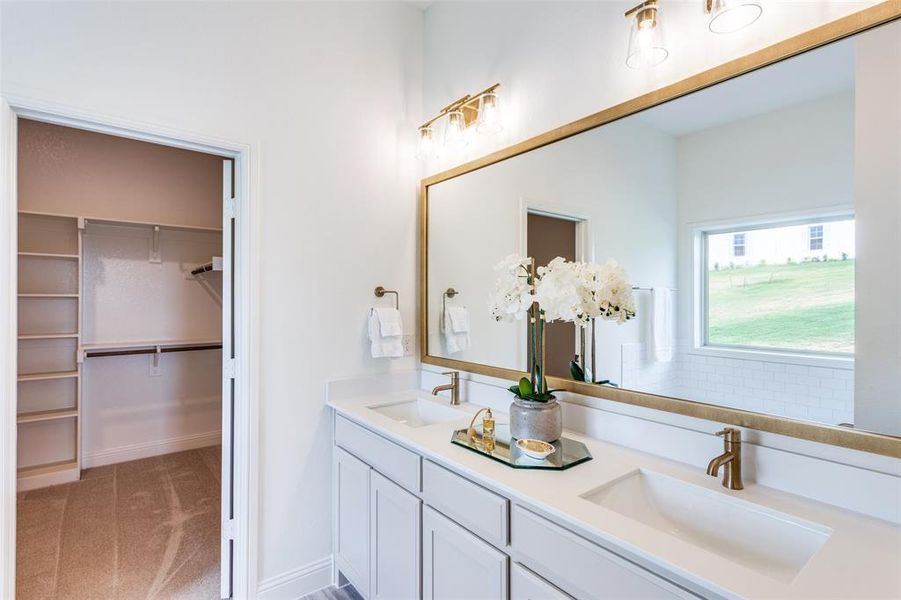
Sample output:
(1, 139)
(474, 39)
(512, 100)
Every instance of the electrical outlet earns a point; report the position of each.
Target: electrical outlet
(409, 342)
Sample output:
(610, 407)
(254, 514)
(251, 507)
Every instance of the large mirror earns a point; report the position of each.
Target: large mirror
(756, 220)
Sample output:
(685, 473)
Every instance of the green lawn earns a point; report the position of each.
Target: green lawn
(803, 306)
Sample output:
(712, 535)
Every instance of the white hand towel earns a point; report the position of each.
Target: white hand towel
(662, 323)
(389, 321)
(459, 318)
(455, 342)
(381, 344)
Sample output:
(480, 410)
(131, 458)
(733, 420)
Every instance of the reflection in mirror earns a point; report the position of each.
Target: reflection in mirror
(753, 219)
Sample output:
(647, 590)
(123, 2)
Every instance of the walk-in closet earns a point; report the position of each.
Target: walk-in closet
(119, 400)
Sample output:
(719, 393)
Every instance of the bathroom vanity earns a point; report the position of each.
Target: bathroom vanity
(418, 517)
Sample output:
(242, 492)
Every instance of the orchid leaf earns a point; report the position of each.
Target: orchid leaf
(525, 387)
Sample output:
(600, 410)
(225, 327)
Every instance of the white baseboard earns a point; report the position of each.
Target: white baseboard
(110, 456)
(298, 582)
(42, 480)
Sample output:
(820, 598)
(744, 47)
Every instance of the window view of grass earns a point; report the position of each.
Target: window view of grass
(807, 306)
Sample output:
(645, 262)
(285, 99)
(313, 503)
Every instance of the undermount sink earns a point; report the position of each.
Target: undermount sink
(418, 412)
(767, 541)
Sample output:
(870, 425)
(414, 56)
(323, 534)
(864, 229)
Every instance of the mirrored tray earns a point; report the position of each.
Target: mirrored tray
(568, 453)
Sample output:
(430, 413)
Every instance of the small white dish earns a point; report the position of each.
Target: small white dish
(535, 448)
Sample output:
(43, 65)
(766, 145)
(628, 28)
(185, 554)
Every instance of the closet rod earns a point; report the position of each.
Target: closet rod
(100, 353)
(203, 269)
(213, 265)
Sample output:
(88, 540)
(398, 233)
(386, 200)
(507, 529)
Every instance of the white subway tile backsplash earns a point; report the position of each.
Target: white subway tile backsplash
(796, 369)
(819, 393)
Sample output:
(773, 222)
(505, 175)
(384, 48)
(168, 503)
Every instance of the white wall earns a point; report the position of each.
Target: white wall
(328, 95)
(878, 196)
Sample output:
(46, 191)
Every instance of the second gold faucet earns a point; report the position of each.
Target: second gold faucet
(729, 460)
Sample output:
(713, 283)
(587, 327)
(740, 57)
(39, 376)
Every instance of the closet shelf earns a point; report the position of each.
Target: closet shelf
(47, 415)
(48, 468)
(126, 222)
(48, 295)
(139, 344)
(48, 336)
(49, 255)
(51, 375)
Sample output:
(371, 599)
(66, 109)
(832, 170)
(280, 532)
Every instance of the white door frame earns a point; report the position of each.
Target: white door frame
(584, 245)
(246, 312)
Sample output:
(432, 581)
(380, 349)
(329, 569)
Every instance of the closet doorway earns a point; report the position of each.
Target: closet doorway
(126, 390)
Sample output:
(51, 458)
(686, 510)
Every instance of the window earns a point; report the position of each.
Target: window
(816, 237)
(786, 293)
(738, 244)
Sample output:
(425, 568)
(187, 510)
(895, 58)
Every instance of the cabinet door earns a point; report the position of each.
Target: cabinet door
(394, 533)
(526, 585)
(351, 491)
(456, 565)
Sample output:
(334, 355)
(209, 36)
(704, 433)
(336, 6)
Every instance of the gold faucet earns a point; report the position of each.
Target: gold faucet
(453, 386)
(730, 460)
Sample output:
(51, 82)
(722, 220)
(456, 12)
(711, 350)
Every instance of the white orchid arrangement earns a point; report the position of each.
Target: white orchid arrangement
(576, 292)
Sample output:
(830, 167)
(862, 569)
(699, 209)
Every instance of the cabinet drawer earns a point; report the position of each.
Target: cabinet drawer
(479, 510)
(526, 585)
(580, 567)
(394, 462)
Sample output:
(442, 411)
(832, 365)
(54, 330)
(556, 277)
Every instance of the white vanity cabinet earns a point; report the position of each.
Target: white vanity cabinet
(377, 522)
(458, 565)
(351, 519)
(581, 567)
(407, 528)
(526, 585)
(394, 541)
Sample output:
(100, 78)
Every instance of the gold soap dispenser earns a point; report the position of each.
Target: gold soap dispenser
(487, 438)
(488, 431)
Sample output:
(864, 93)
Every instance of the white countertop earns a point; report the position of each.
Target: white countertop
(861, 558)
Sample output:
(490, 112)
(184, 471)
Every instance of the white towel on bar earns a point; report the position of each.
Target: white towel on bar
(386, 333)
(663, 317)
(459, 319)
(456, 328)
(389, 321)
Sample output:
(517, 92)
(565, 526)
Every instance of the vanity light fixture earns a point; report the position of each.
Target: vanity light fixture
(727, 16)
(647, 47)
(426, 143)
(489, 114)
(455, 130)
(481, 110)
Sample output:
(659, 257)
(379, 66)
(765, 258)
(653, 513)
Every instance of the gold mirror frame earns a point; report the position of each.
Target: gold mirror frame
(828, 434)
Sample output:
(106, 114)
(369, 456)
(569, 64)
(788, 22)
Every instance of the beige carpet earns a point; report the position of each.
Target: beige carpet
(142, 529)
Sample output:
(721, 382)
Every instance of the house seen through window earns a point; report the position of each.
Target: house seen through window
(816, 237)
(738, 244)
(782, 287)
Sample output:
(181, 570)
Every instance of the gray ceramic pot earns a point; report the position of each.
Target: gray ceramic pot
(536, 420)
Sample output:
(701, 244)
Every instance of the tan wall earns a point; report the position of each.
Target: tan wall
(76, 172)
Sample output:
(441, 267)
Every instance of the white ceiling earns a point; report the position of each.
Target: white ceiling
(816, 74)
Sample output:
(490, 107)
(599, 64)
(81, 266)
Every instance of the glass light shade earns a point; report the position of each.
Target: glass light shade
(727, 16)
(489, 114)
(454, 131)
(647, 47)
(427, 147)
